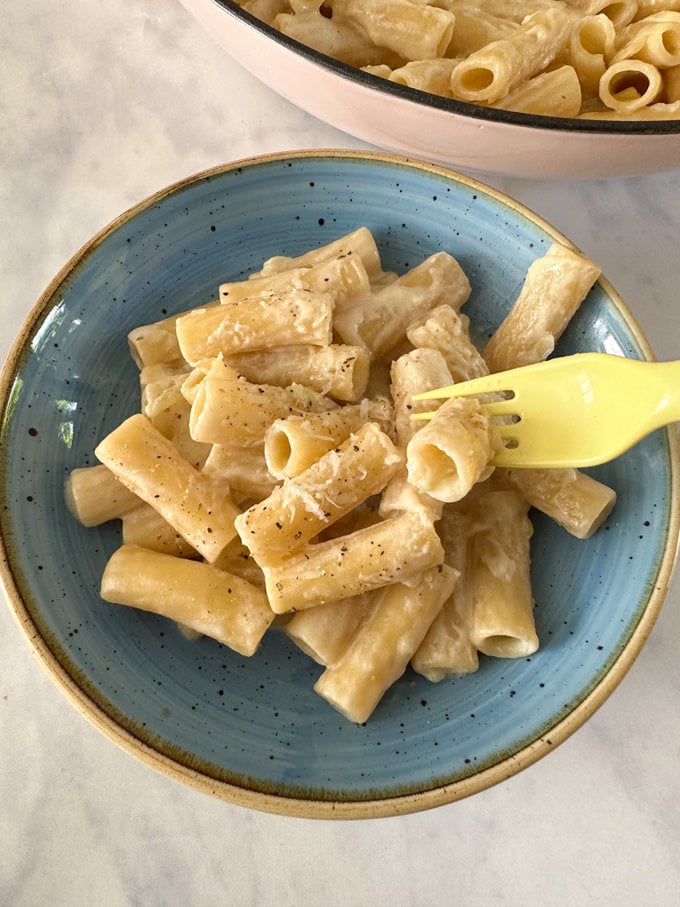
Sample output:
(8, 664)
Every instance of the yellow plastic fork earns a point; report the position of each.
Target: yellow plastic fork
(576, 410)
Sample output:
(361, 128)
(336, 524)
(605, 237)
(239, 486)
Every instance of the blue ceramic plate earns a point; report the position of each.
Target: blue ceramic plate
(252, 730)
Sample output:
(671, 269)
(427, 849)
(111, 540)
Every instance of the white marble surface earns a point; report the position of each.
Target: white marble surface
(100, 105)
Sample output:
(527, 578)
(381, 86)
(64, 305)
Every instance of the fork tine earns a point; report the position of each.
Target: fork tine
(508, 458)
(501, 407)
(567, 410)
(487, 384)
(439, 393)
(498, 407)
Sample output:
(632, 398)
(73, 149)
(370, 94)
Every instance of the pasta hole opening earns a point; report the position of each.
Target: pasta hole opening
(476, 80)
(619, 14)
(670, 41)
(591, 38)
(360, 374)
(441, 469)
(629, 86)
(502, 646)
(278, 452)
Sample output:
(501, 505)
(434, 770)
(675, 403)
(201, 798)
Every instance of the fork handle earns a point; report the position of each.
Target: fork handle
(667, 409)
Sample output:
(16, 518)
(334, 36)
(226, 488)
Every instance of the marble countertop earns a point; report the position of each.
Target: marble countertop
(101, 105)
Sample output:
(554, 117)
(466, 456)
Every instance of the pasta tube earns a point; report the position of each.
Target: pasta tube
(555, 286)
(160, 387)
(231, 411)
(324, 632)
(150, 466)
(301, 507)
(94, 496)
(294, 443)
(476, 28)
(399, 495)
(341, 278)
(446, 331)
(164, 404)
(488, 74)
(337, 370)
(337, 37)
(359, 243)
(446, 649)
(415, 31)
(418, 371)
(591, 47)
(572, 498)
(384, 643)
(294, 317)
(379, 321)
(425, 75)
(156, 343)
(498, 577)
(630, 85)
(352, 564)
(146, 528)
(620, 12)
(198, 596)
(453, 451)
(556, 93)
(655, 40)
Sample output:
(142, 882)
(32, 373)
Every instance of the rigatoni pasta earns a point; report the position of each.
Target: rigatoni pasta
(562, 58)
(297, 317)
(572, 498)
(337, 370)
(324, 632)
(266, 481)
(149, 465)
(228, 409)
(384, 642)
(292, 444)
(447, 648)
(413, 30)
(94, 496)
(453, 451)
(490, 73)
(301, 507)
(200, 596)
(359, 562)
(379, 320)
(555, 286)
(498, 581)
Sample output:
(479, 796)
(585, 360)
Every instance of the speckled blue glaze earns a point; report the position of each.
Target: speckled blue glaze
(256, 723)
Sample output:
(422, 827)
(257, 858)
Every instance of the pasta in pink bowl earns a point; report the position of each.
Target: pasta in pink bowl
(533, 88)
(245, 578)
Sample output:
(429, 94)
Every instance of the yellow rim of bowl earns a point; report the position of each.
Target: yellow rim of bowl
(350, 809)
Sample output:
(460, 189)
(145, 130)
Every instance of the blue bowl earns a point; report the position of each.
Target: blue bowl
(252, 731)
